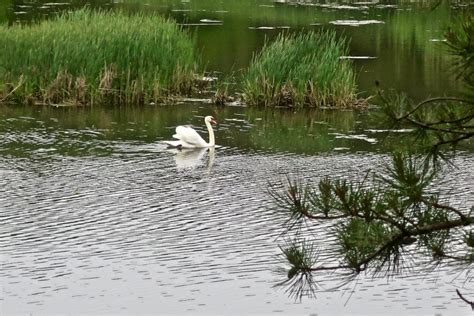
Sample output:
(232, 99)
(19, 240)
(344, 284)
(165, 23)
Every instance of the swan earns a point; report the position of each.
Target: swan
(187, 137)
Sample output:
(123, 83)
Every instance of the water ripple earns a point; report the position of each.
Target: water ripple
(101, 226)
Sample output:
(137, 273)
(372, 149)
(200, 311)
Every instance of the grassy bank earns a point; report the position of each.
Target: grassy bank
(88, 57)
(301, 70)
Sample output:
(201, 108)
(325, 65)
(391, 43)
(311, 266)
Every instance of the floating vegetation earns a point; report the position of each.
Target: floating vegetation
(88, 57)
(301, 70)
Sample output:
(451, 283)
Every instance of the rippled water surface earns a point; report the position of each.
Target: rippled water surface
(99, 217)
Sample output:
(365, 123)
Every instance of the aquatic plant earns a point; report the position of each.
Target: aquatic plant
(301, 70)
(87, 57)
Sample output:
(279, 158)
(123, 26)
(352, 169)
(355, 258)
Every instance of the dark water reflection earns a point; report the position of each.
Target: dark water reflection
(31, 131)
(99, 217)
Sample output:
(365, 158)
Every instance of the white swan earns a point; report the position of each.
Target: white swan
(187, 137)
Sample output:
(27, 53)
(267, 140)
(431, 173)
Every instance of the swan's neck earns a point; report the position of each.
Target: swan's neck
(212, 141)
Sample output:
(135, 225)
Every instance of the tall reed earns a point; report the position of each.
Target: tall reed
(96, 56)
(301, 70)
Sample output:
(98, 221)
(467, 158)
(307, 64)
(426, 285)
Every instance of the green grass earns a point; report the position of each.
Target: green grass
(301, 70)
(88, 57)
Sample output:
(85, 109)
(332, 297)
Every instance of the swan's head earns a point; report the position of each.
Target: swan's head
(210, 119)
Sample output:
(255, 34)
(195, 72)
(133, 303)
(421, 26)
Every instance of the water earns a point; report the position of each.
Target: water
(98, 217)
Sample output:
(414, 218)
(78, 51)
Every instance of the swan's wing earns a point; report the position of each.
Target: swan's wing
(189, 136)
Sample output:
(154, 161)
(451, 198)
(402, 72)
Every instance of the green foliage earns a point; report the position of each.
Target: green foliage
(299, 257)
(409, 177)
(349, 198)
(301, 70)
(434, 242)
(324, 201)
(435, 123)
(373, 222)
(295, 199)
(302, 258)
(94, 57)
(359, 239)
(460, 39)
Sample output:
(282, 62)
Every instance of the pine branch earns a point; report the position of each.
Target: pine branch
(431, 100)
(426, 126)
(455, 140)
(429, 228)
(399, 239)
(446, 207)
(465, 300)
(466, 118)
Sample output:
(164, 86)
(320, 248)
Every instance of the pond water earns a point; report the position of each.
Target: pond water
(98, 217)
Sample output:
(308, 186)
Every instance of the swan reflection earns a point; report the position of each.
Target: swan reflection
(190, 158)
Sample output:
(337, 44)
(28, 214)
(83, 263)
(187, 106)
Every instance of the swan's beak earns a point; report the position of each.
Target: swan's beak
(213, 121)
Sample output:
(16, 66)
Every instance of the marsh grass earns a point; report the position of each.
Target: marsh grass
(301, 70)
(88, 57)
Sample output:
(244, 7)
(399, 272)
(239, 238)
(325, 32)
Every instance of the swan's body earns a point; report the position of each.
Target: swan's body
(187, 137)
